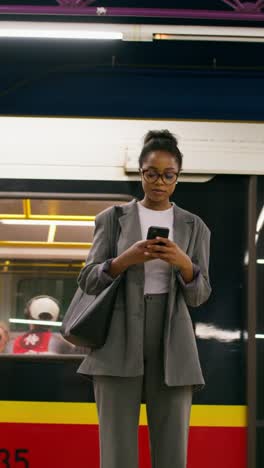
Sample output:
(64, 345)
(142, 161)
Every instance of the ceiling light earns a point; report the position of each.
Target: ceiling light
(28, 30)
(207, 35)
(46, 222)
(36, 322)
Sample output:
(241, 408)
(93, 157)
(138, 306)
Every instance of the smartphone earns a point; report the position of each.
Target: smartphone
(157, 231)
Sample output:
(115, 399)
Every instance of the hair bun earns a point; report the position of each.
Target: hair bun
(160, 140)
(160, 134)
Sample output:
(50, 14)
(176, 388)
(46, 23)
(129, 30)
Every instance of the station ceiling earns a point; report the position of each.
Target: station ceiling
(31, 68)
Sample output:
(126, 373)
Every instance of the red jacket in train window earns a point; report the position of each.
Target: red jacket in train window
(32, 342)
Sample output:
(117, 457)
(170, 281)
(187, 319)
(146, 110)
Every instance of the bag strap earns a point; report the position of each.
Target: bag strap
(115, 229)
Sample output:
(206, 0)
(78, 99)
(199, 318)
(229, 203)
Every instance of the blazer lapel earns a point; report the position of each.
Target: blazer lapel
(131, 233)
(130, 227)
(182, 228)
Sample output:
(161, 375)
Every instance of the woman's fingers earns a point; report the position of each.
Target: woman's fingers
(157, 255)
(158, 248)
(147, 242)
(164, 240)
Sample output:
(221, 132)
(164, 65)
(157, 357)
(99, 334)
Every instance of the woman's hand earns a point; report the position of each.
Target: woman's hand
(136, 253)
(169, 252)
(132, 256)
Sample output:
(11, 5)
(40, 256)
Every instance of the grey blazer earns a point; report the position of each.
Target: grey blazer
(122, 353)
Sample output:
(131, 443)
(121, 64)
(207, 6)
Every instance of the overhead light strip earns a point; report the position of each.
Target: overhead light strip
(197, 37)
(45, 222)
(35, 322)
(127, 32)
(46, 245)
(27, 30)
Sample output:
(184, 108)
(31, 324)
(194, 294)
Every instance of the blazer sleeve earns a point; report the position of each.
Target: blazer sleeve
(197, 291)
(93, 277)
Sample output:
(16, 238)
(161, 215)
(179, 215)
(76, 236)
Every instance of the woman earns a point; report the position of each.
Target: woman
(150, 350)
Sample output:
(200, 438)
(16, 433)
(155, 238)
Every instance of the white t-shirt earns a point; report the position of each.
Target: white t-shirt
(157, 272)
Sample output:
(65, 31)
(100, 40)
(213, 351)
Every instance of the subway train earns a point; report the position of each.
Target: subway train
(48, 415)
(72, 120)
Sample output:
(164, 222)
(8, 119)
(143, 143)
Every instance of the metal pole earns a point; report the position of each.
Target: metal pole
(251, 323)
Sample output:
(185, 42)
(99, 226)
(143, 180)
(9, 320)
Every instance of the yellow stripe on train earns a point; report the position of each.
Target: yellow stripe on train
(85, 413)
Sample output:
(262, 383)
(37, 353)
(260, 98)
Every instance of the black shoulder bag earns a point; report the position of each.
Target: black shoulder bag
(87, 320)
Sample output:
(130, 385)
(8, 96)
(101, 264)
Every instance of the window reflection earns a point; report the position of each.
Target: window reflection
(209, 331)
(4, 337)
(40, 314)
(43, 246)
(33, 303)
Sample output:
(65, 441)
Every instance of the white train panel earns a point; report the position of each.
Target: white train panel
(108, 149)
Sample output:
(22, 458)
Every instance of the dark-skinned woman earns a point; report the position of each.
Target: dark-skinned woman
(150, 351)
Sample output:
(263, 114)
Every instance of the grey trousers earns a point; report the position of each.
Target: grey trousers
(118, 402)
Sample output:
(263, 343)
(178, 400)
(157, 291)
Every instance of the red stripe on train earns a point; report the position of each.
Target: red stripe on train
(74, 446)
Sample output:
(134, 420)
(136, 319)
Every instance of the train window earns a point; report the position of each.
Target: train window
(43, 245)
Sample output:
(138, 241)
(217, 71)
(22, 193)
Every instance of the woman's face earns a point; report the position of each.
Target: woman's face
(163, 163)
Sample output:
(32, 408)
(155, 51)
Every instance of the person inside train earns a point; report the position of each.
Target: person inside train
(4, 337)
(150, 351)
(39, 338)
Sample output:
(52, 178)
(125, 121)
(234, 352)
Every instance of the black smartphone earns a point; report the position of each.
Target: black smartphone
(157, 231)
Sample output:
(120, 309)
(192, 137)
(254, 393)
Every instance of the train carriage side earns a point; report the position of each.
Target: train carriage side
(58, 171)
(45, 237)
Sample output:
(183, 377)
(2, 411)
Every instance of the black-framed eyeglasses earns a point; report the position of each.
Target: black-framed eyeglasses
(151, 176)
